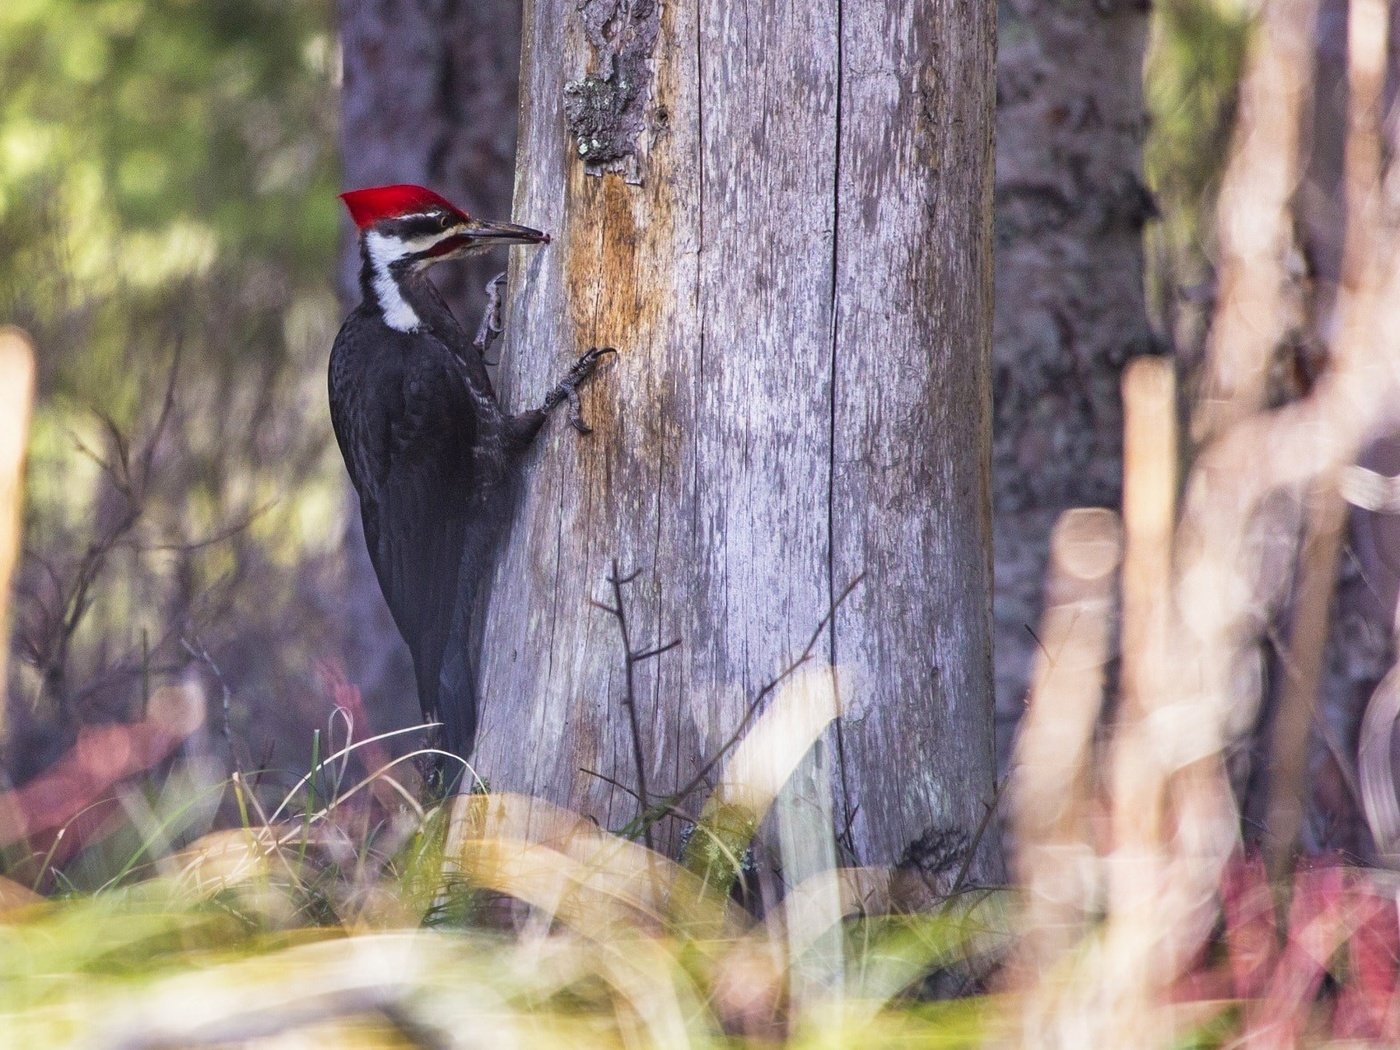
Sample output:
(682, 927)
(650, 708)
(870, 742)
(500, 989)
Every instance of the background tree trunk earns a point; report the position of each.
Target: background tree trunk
(429, 97)
(1070, 308)
(793, 256)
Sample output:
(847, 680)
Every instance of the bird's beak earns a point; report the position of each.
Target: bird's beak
(506, 233)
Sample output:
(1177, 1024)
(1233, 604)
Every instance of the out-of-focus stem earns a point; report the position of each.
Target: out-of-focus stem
(1317, 573)
(16, 399)
(1052, 784)
(1255, 225)
(1149, 521)
(1317, 577)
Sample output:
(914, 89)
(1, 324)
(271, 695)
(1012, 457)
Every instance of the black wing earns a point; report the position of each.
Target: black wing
(406, 430)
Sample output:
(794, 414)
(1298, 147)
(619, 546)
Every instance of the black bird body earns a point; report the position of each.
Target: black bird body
(433, 457)
(430, 455)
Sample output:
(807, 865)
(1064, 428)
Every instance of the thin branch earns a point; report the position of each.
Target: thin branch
(222, 536)
(767, 689)
(983, 824)
(649, 653)
(632, 657)
(77, 599)
(609, 780)
(667, 804)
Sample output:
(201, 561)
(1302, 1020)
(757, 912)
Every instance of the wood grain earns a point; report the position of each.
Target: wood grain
(800, 289)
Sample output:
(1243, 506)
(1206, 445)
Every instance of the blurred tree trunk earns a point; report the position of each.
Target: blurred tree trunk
(782, 220)
(1070, 311)
(430, 97)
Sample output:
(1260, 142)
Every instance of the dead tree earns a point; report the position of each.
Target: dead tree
(782, 219)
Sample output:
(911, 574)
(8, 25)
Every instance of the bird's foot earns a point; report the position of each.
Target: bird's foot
(491, 324)
(567, 390)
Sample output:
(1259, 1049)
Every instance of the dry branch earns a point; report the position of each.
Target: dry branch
(1198, 595)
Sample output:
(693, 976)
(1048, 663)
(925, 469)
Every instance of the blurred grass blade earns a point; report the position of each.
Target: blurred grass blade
(1375, 764)
(756, 771)
(807, 846)
(769, 753)
(559, 862)
(316, 767)
(1053, 774)
(16, 403)
(14, 897)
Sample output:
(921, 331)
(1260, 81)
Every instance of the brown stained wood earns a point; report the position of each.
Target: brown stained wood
(800, 292)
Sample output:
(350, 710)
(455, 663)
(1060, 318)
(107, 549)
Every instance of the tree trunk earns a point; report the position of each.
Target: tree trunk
(429, 97)
(781, 217)
(1070, 308)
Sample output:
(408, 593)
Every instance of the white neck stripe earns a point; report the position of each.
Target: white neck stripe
(383, 252)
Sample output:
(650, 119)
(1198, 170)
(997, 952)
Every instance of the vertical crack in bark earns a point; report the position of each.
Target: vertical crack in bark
(700, 174)
(700, 313)
(831, 587)
(651, 720)
(558, 562)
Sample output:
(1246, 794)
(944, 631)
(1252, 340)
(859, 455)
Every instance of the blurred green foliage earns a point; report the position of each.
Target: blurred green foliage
(148, 143)
(167, 188)
(1194, 62)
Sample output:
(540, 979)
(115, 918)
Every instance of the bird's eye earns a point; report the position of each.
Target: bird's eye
(446, 221)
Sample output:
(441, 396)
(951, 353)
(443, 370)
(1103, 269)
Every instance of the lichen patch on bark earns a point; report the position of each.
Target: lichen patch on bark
(606, 109)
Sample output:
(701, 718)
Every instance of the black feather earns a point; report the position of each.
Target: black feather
(429, 453)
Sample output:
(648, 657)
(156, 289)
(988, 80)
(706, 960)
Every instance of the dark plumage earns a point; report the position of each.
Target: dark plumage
(431, 454)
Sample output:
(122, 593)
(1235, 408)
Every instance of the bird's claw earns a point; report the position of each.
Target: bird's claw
(567, 390)
(491, 323)
(576, 412)
(584, 366)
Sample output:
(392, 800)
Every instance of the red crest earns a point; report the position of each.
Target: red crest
(369, 206)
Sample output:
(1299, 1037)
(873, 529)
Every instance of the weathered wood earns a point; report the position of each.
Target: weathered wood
(795, 264)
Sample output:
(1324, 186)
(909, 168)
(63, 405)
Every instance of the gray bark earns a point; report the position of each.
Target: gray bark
(790, 246)
(1070, 307)
(429, 97)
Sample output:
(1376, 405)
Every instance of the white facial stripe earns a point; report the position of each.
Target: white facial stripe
(383, 253)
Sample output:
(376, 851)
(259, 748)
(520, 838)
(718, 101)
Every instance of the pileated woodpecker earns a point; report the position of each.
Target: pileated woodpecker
(429, 449)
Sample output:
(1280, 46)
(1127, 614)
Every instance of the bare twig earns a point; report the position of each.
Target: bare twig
(221, 536)
(132, 484)
(768, 688)
(610, 780)
(667, 804)
(632, 657)
(989, 810)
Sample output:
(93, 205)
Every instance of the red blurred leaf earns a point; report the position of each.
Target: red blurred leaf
(1251, 925)
(1321, 917)
(1365, 1005)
